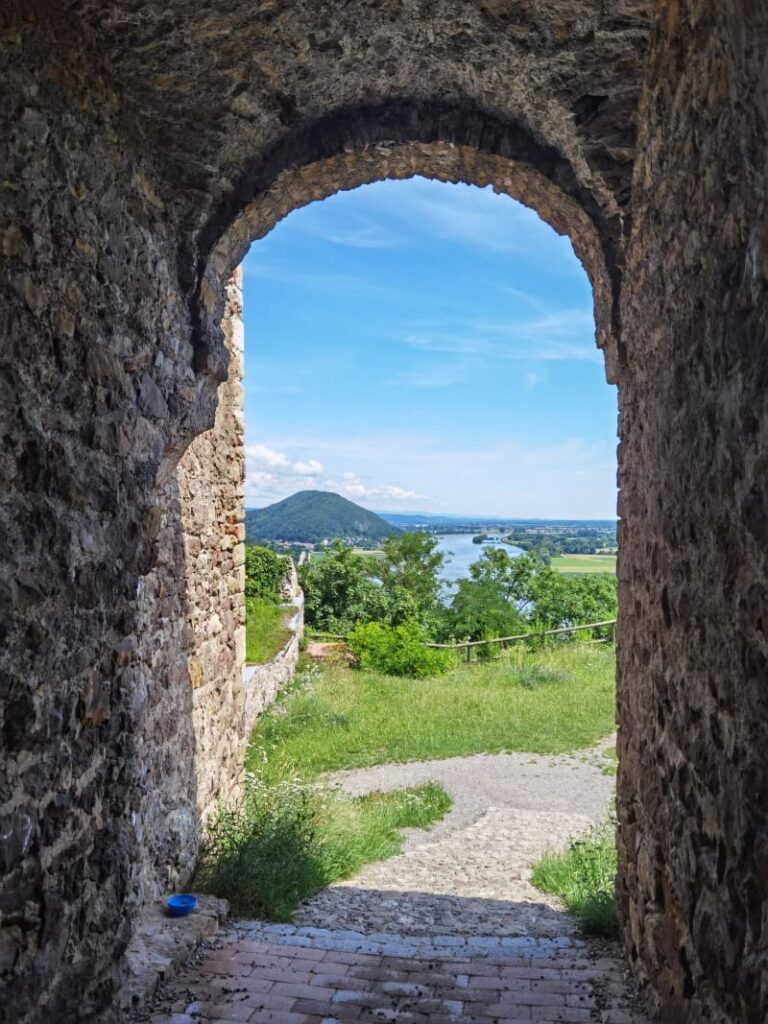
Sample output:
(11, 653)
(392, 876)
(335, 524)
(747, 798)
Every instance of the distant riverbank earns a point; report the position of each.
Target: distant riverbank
(460, 552)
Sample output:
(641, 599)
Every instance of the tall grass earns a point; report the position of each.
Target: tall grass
(584, 878)
(288, 839)
(265, 630)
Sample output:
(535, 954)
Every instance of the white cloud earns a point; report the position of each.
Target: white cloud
(357, 489)
(531, 379)
(271, 475)
(311, 468)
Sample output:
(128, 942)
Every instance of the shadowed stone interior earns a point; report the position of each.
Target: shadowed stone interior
(144, 146)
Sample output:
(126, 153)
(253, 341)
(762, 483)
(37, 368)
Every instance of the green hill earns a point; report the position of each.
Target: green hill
(312, 516)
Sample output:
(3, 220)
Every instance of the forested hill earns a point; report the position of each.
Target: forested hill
(312, 516)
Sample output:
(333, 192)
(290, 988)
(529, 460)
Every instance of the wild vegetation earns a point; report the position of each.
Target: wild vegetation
(504, 594)
(584, 878)
(266, 628)
(291, 835)
(405, 701)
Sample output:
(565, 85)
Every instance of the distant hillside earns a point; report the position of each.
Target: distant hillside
(312, 516)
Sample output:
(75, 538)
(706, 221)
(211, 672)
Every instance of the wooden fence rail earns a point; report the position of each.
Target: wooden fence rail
(470, 645)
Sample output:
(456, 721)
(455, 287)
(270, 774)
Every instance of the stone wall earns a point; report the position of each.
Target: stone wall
(211, 476)
(143, 146)
(262, 683)
(98, 396)
(693, 635)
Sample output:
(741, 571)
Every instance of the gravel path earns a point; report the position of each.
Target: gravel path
(470, 873)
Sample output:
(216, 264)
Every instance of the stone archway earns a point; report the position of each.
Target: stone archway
(133, 140)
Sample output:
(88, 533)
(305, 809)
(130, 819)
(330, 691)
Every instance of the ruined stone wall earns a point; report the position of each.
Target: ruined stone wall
(211, 478)
(262, 683)
(693, 566)
(99, 394)
(133, 136)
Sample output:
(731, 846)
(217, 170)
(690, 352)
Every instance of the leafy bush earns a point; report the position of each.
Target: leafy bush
(264, 572)
(584, 877)
(397, 650)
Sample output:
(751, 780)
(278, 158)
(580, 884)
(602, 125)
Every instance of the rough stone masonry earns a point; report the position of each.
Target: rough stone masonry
(143, 146)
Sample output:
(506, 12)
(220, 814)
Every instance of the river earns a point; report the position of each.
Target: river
(460, 552)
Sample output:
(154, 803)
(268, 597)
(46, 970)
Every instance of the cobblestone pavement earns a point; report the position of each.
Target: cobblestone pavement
(450, 931)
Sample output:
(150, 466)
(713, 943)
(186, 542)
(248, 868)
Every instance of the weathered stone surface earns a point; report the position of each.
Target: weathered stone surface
(143, 145)
(693, 650)
(162, 945)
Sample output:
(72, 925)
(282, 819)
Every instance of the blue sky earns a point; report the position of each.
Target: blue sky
(416, 345)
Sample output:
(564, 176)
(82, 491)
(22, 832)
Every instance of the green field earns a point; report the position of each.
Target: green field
(552, 701)
(577, 564)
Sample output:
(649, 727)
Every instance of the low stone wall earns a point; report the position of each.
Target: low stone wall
(261, 683)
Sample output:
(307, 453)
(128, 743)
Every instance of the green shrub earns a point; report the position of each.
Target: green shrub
(584, 877)
(396, 650)
(264, 572)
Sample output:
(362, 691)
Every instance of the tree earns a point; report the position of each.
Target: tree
(573, 600)
(264, 572)
(338, 590)
(480, 610)
(409, 575)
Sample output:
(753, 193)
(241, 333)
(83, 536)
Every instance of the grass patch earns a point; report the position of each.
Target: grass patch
(293, 835)
(611, 766)
(288, 839)
(558, 699)
(266, 630)
(577, 564)
(584, 878)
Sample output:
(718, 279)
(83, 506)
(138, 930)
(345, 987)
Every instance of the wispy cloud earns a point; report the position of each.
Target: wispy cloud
(561, 335)
(341, 284)
(473, 216)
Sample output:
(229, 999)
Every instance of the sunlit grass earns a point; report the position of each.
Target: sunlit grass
(577, 564)
(584, 878)
(265, 630)
(558, 699)
(287, 840)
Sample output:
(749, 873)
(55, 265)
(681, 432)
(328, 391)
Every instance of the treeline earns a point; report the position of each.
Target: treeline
(548, 544)
(400, 591)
